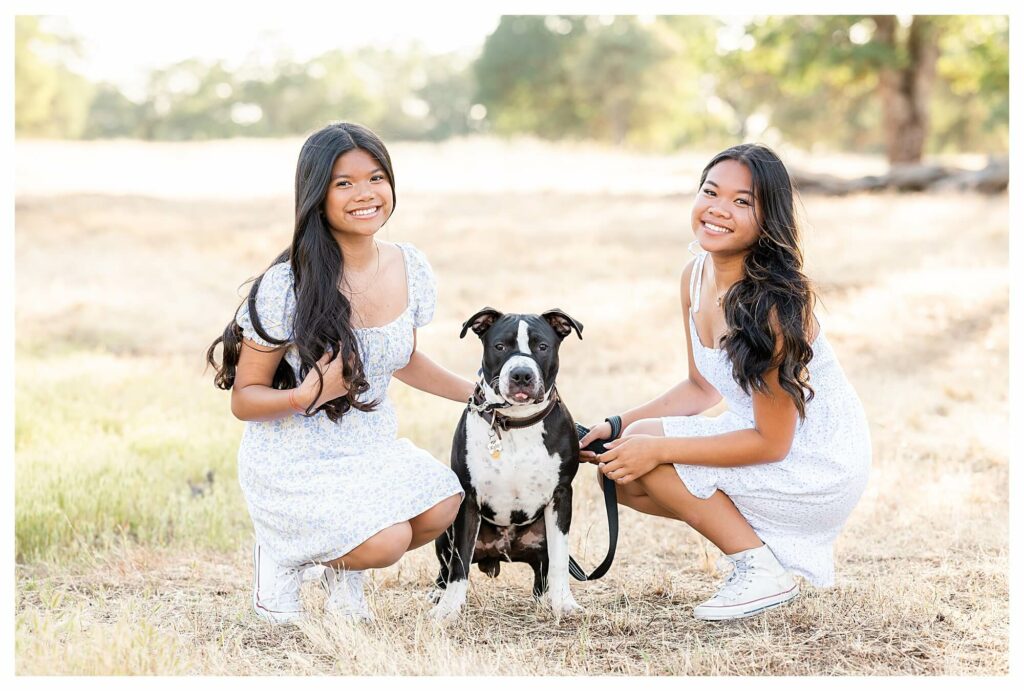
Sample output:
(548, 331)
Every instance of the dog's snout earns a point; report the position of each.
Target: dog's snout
(521, 376)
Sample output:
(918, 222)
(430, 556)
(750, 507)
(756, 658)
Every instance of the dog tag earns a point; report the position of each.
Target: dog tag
(494, 446)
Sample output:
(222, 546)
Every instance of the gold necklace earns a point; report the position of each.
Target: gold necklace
(372, 278)
(719, 293)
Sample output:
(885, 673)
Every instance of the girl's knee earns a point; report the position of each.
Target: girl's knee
(439, 516)
(631, 489)
(447, 510)
(384, 548)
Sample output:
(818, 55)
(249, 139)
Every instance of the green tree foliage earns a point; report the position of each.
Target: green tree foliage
(656, 82)
(523, 77)
(447, 88)
(819, 79)
(401, 95)
(971, 110)
(617, 79)
(330, 87)
(622, 80)
(807, 74)
(188, 100)
(111, 114)
(49, 99)
(680, 88)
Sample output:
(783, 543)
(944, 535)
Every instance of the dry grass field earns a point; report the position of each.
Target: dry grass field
(121, 287)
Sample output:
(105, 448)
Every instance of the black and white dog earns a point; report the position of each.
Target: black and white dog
(516, 453)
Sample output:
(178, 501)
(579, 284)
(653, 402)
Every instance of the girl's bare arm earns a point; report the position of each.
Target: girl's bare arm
(426, 375)
(252, 397)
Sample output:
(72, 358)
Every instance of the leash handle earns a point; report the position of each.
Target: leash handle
(611, 506)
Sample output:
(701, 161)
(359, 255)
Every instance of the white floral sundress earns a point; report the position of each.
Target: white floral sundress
(316, 489)
(798, 505)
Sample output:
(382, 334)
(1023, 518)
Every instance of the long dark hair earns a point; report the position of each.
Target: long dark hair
(322, 313)
(773, 286)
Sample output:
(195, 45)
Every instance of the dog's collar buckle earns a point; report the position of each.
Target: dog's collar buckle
(479, 404)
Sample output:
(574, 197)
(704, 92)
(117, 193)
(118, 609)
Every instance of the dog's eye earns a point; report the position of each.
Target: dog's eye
(542, 347)
(499, 346)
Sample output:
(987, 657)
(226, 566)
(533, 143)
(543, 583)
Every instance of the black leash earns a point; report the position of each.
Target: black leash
(611, 505)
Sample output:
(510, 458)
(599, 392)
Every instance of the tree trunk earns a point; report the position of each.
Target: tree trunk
(906, 86)
(619, 120)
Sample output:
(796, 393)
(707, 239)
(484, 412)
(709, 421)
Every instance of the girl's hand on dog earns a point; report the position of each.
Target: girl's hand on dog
(334, 382)
(602, 430)
(630, 457)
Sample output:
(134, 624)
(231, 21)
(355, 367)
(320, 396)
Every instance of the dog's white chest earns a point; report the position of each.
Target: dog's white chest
(522, 478)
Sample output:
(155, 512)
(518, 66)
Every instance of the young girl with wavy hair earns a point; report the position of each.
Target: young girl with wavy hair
(308, 358)
(772, 480)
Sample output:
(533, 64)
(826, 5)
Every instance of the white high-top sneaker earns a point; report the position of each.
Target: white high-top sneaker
(757, 582)
(275, 589)
(345, 596)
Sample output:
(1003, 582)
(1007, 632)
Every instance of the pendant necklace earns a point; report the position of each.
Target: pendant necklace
(372, 278)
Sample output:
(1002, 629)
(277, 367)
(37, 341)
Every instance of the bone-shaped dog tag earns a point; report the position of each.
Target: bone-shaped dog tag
(494, 446)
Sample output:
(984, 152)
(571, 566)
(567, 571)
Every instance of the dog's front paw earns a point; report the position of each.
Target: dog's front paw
(440, 613)
(562, 604)
(450, 602)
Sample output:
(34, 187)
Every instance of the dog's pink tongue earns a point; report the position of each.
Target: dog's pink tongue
(521, 396)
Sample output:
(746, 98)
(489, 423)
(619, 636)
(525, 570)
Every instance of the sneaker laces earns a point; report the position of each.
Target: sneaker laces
(738, 579)
(287, 582)
(345, 591)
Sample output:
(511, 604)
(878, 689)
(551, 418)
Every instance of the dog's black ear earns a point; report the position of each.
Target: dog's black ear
(562, 323)
(481, 321)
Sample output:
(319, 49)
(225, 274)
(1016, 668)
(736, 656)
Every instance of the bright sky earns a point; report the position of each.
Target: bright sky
(123, 46)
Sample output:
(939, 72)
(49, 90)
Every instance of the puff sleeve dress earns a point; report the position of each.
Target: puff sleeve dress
(316, 489)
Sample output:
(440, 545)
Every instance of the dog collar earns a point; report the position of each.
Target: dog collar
(497, 422)
(479, 404)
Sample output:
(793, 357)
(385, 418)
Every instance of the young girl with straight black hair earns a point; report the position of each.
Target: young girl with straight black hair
(308, 358)
(772, 480)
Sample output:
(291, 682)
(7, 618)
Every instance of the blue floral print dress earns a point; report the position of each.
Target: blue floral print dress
(316, 489)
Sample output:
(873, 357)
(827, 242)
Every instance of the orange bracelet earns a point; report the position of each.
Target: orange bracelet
(293, 403)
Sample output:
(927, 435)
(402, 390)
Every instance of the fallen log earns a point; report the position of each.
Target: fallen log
(992, 179)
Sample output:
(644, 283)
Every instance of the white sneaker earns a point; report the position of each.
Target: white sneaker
(757, 582)
(313, 572)
(345, 596)
(275, 589)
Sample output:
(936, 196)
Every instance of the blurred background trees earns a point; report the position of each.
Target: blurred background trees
(900, 86)
(50, 100)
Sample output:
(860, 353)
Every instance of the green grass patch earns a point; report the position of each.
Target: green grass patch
(106, 448)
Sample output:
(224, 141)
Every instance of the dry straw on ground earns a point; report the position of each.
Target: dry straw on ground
(123, 571)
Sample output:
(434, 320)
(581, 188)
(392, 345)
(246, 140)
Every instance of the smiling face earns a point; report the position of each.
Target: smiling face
(359, 197)
(724, 217)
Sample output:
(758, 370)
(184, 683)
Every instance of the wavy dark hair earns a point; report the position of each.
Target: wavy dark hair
(773, 290)
(322, 313)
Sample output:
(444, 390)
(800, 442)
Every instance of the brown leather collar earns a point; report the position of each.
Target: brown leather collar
(489, 412)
